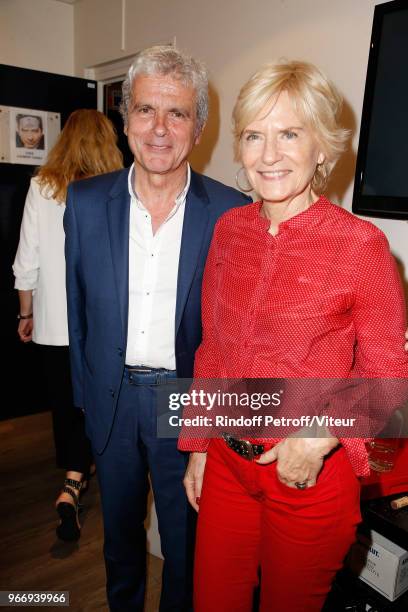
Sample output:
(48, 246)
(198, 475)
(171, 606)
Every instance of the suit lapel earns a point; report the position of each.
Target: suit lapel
(194, 228)
(118, 209)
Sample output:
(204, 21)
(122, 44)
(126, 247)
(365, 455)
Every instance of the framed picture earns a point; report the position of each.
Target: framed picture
(26, 135)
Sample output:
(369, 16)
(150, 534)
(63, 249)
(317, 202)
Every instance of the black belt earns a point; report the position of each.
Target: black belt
(244, 448)
(143, 375)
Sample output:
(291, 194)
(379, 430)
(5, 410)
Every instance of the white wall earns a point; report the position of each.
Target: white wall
(234, 38)
(37, 34)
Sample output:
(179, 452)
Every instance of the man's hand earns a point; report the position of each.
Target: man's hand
(193, 479)
(299, 459)
(25, 330)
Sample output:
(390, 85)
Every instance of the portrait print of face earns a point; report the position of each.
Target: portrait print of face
(29, 132)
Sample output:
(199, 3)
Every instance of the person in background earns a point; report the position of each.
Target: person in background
(29, 132)
(294, 287)
(136, 245)
(85, 147)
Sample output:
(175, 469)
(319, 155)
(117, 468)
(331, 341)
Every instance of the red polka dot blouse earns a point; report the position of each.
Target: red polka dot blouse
(321, 299)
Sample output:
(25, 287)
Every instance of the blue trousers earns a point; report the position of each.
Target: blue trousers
(132, 453)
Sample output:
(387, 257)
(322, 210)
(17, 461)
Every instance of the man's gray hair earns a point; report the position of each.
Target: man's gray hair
(166, 60)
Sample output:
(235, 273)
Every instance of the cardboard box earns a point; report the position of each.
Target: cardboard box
(380, 563)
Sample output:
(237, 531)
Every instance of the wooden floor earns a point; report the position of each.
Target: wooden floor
(31, 557)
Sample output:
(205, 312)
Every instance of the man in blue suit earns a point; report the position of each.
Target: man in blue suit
(136, 245)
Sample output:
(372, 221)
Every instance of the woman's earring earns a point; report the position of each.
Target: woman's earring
(246, 189)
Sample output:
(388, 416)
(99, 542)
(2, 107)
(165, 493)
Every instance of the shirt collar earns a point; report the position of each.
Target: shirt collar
(179, 199)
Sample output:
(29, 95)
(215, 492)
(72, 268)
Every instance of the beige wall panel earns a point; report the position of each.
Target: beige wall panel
(37, 34)
(98, 25)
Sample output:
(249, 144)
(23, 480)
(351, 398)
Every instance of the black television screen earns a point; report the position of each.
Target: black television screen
(381, 181)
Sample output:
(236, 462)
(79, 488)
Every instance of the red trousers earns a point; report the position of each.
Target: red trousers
(250, 523)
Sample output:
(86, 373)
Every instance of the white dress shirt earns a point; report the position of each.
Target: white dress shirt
(153, 271)
(39, 266)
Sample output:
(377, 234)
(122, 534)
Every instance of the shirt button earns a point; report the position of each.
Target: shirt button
(142, 332)
(147, 292)
(112, 392)
(120, 352)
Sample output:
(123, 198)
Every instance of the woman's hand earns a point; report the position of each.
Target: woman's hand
(193, 479)
(25, 326)
(299, 460)
(25, 329)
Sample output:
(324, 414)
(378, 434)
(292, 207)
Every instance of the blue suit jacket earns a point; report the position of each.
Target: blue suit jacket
(97, 252)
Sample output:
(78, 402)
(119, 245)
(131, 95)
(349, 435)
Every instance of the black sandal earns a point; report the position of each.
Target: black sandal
(68, 530)
(87, 477)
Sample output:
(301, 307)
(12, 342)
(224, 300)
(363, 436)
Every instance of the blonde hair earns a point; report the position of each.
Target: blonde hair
(314, 98)
(85, 147)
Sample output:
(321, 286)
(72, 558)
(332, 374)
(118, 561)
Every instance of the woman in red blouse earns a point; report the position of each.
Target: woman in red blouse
(294, 288)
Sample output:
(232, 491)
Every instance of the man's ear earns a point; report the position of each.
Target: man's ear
(198, 137)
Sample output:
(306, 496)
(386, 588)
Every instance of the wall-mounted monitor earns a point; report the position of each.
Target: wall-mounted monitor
(381, 181)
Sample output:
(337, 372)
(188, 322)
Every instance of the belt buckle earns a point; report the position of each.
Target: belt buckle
(245, 447)
(250, 451)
